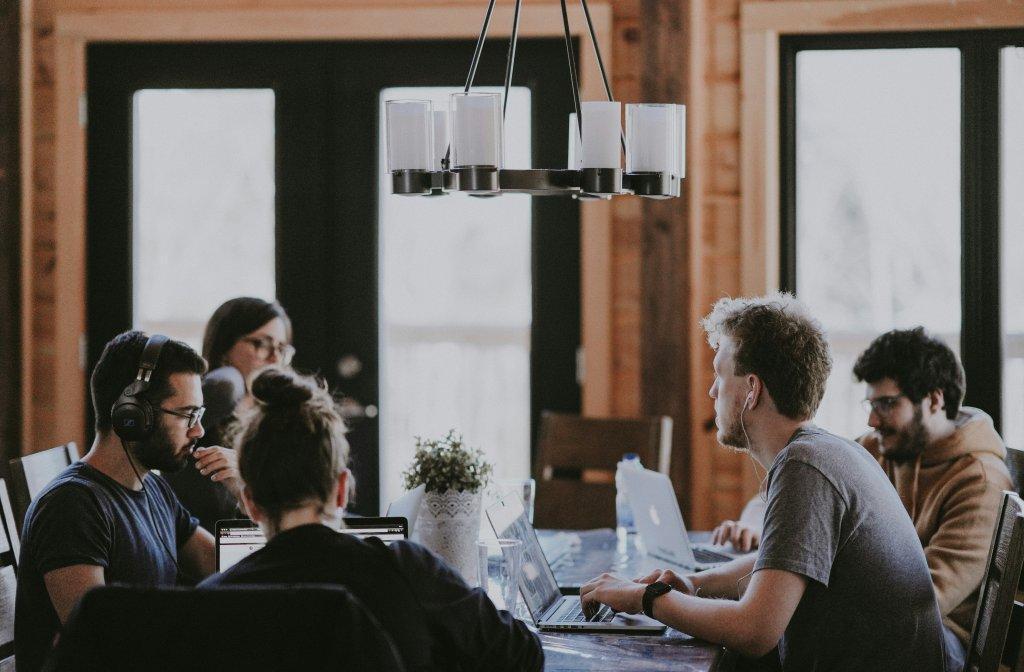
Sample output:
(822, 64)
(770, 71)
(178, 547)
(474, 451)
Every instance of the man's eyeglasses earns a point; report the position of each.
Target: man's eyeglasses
(266, 346)
(882, 405)
(194, 416)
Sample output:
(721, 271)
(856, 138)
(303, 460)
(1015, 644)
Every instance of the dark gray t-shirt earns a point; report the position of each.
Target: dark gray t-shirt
(833, 517)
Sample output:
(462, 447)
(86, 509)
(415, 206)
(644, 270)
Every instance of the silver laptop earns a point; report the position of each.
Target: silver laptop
(660, 523)
(549, 609)
(238, 538)
(408, 506)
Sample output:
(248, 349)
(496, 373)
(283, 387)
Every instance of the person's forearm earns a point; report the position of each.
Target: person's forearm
(723, 622)
(722, 581)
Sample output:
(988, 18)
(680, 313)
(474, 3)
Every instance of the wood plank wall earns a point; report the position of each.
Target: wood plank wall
(10, 229)
(671, 260)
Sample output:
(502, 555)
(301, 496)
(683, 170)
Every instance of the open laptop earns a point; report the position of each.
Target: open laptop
(550, 609)
(238, 538)
(660, 523)
(407, 506)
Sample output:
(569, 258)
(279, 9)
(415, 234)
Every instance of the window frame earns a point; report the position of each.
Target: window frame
(981, 325)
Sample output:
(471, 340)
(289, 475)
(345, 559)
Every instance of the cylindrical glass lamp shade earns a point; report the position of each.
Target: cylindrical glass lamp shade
(602, 129)
(651, 138)
(575, 153)
(476, 130)
(440, 138)
(409, 133)
(680, 141)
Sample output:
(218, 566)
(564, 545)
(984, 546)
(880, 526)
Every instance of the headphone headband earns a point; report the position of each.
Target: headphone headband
(150, 357)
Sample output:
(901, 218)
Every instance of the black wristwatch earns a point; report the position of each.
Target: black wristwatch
(654, 590)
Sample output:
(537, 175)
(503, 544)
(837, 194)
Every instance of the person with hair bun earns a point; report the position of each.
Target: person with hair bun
(293, 462)
(243, 335)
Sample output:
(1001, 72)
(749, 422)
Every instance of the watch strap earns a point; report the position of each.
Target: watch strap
(654, 590)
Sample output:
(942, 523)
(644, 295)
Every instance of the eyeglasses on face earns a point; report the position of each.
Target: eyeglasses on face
(265, 346)
(194, 416)
(882, 405)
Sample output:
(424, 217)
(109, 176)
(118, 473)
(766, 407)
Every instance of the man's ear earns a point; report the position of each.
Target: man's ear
(937, 401)
(754, 388)
(343, 480)
(250, 507)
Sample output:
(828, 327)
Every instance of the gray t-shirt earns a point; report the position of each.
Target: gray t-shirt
(833, 517)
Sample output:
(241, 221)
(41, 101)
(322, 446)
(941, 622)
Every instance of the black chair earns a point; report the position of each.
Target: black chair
(9, 549)
(1015, 465)
(31, 473)
(992, 636)
(230, 628)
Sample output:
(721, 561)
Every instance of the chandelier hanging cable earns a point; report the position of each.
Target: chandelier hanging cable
(433, 152)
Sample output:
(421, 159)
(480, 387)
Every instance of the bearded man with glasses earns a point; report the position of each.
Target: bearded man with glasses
(945, 460)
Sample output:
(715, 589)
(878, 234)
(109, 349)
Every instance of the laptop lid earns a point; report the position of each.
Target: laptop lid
(657, 516)
(408, 506)
(238, 538)
(536, 581)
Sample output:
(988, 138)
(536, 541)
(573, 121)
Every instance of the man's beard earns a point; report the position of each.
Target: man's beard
(910, 441)
(159, 452)
(732, 434)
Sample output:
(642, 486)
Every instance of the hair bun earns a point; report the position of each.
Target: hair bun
(277, 387)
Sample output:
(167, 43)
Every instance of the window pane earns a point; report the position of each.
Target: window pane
(456, 313)
(1011, 157)
(878, 203)
(203, 188)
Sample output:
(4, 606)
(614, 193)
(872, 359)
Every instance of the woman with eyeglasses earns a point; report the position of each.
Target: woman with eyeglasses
(243, 335)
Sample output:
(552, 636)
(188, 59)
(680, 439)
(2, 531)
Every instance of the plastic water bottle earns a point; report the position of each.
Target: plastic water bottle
(623, 511)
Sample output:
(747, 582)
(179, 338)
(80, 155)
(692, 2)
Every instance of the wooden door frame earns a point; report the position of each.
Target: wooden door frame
(762, 23)
(74, 30)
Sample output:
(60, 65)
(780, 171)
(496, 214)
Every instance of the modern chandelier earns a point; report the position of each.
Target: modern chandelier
(433, 152)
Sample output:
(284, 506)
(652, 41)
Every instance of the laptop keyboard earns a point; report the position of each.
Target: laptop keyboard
(576, 615)
(705, 556)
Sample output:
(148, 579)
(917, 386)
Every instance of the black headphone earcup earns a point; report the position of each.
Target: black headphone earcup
(132, 418)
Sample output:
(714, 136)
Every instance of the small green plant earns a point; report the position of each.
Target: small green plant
(447, 464)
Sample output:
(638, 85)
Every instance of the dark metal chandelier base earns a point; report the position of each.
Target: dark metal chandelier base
(586, 183)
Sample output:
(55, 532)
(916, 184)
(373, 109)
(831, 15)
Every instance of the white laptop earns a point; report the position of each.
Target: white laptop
(407, 506)
(550, 609)
(660, 523)
(238, 538)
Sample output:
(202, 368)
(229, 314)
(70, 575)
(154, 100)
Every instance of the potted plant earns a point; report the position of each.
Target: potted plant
(454, 477)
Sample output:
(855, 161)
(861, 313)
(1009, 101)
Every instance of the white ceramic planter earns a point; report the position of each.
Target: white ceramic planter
(449, 524)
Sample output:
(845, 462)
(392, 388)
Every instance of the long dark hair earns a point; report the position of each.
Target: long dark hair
(291, 445)
(236, 318)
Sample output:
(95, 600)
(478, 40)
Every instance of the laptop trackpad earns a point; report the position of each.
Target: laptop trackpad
(634, 620)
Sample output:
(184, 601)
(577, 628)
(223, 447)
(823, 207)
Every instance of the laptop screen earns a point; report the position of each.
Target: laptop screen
(238, 538)
(537, 582)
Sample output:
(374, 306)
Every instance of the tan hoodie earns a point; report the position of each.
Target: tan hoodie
(952, 492)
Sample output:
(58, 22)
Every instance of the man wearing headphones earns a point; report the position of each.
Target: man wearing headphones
(107, 518)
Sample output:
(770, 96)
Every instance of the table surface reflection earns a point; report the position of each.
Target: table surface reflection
(576, 557)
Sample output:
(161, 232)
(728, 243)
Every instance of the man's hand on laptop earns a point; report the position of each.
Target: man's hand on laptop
(743, 537)
(619, 594)
(684, 584)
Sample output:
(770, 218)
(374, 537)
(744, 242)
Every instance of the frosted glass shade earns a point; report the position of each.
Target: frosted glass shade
(476, 130)
(602, 129)
(680, 141)
(575, 161)
(409, 133)
(440, 138)
(651, 138)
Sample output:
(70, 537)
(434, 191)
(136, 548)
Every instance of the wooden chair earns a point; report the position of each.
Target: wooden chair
(997, 597)
(576, 461)
(9, 549)
(31, 473)
(1015, 465)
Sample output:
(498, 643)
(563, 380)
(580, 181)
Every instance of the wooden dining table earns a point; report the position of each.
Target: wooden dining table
(577, 556)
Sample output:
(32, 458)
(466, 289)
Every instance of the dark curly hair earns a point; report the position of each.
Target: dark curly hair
(779, 341)
(918, 362)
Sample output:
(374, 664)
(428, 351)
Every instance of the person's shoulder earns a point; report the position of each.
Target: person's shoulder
(76, 484)
(813, 445)
(415, 557)
(984, 469)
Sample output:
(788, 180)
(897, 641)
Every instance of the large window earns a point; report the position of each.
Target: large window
(892, 149)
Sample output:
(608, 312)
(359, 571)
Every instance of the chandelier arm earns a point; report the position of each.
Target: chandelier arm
(570, 53)
(511, 58)
(478, 52)
(597, 49)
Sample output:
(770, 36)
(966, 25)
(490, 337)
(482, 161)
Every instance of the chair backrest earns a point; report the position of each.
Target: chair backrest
(1015, 465)
(9, 549)
(31, 473)
(999, 588)
(576, 461)
(229, 628)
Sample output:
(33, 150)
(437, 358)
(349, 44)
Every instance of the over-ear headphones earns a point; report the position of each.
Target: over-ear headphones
(132, 415)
